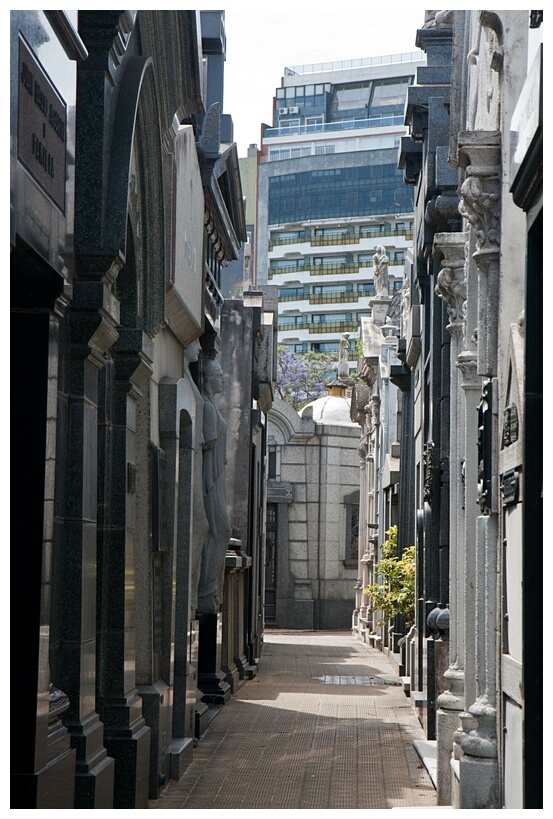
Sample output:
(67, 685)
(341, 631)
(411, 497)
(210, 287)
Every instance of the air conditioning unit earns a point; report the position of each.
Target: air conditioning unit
(294, 109)
(282, 111)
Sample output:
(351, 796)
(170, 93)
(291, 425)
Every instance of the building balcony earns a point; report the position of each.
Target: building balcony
(332, 270)
(381, 121)
(326, 327)
(342, 238)
(292, 325)
(335, 298)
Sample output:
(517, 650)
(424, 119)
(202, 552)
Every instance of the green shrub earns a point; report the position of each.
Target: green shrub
(395, 591)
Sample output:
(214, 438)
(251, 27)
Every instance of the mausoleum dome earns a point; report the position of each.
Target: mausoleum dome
(331, 409)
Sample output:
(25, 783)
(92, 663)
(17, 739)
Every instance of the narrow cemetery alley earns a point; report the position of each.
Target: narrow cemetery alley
(324, 724)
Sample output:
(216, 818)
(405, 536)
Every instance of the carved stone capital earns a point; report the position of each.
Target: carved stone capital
(480, 194)
(467, 363)
(451, 283)
(480, 155)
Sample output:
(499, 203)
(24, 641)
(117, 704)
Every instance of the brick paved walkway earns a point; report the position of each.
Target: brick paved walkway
(318, 727)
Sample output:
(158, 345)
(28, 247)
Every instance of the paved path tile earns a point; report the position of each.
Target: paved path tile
(322, 725)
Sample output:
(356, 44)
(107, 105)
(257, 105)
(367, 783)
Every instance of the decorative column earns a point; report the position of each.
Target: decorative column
(360, 610)
(479, 154)
(358, 414)
(451, 287)
(373, 523)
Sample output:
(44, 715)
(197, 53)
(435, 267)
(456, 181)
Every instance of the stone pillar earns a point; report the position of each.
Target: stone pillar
(375, 525)
(232, 603)
(471, 387)
(479, 154)
(176, 431)
(360, 599)
(451, 287)
(127, 737)
(92, 326)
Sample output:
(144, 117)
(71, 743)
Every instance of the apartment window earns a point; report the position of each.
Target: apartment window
(325, 346)
(325, 149)
(314, 123)
(349, 97)
(388, 96)
(324, 318)
(288, 236)
(291, 126)
(291, 292)
(287, 264)
(297, 321)
(344, 287)
(322, 260)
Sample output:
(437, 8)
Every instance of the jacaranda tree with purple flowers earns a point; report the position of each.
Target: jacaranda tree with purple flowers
(302, 377)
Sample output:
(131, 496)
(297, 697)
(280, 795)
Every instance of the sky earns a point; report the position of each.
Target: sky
(263, 39)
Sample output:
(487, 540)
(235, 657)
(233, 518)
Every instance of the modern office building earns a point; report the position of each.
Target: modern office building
(330, 193)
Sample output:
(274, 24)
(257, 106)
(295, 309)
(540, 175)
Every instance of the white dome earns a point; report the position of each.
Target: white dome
(331, 409)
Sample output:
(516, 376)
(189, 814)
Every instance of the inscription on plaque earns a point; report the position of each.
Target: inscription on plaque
(279, 492)
(41, 127)
(510, 425)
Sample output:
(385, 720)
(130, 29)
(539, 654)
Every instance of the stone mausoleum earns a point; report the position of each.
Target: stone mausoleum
(312, 513)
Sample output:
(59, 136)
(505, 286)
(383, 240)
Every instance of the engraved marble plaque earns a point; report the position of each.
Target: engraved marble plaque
(41, 127)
